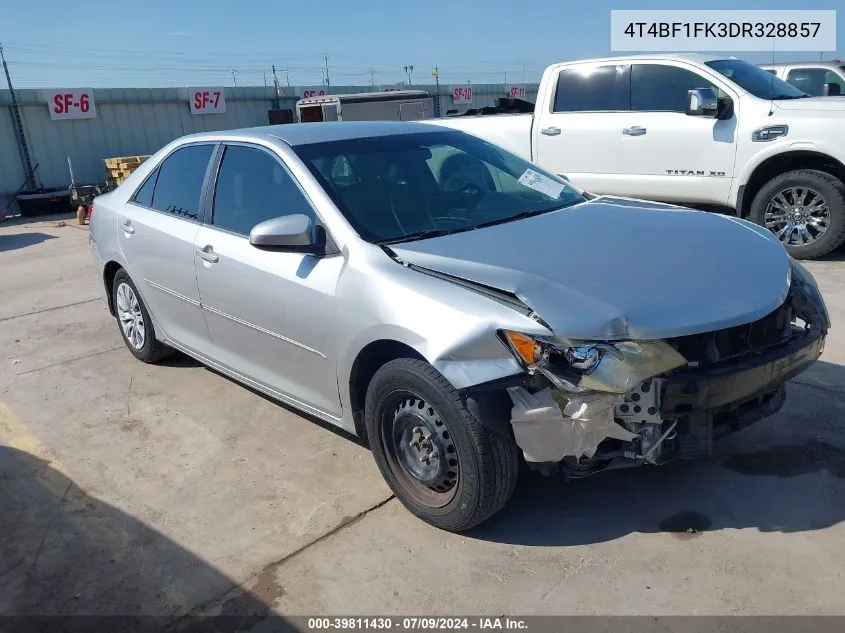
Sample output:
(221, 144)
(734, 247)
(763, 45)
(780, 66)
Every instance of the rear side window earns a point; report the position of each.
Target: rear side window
(812, 80)
(144, 195)
(180, 179)
(657, 88)
(253, 187)
(602, 88)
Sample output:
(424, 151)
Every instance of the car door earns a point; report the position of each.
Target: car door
(271, 314)
(664, 152)
(156, 231)
(577, 134)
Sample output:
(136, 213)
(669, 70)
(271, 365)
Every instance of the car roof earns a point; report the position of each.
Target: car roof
(306, 133)
(818, 64)
(695, 57)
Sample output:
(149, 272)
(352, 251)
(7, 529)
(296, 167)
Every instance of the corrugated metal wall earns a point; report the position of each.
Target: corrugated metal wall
(135, 121)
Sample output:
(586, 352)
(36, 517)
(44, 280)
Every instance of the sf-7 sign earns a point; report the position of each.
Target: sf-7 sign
(207, 100)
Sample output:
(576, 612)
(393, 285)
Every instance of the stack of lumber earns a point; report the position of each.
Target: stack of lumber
(120, 167)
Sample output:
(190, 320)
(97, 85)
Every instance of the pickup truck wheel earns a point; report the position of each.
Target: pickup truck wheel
(134, 321)
(805, 209)
(443, 465)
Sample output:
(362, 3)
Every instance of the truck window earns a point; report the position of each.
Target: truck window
(812, 80)
(657, 88)
(592, 89)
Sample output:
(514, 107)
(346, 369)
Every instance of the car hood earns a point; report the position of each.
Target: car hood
(813, 104)
(615, 268)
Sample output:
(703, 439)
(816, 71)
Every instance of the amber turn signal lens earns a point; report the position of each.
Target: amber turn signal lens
(525, 346)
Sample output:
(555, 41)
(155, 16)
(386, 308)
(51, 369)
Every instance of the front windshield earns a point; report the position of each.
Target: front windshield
(411, 186)
(755, 80)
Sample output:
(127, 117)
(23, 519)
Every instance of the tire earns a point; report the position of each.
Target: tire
(828, 187)
(150, 350)
(474, 484)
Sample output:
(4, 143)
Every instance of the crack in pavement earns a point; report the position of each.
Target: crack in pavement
(70, 360)
(346, 522)
(43, 310)
(836, 395)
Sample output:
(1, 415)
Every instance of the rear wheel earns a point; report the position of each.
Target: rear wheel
(442, 464)
(805, 210)
(134, 321)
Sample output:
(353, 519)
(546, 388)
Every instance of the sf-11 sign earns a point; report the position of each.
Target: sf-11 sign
(516, 92)
(207, 100)
(462, 95)
(75, 103)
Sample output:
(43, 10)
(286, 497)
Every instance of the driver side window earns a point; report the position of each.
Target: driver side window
(253, 186)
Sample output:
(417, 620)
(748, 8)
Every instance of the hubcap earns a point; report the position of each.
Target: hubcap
(423, 445)
(798, 216)
(130, 316)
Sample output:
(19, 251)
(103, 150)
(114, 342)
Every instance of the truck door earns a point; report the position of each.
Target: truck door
(666, 154)
(577, 134)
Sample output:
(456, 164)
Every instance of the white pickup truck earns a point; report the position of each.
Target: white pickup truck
(691, 130)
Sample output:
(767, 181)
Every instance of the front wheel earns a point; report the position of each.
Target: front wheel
(805, 210)
(443, 464)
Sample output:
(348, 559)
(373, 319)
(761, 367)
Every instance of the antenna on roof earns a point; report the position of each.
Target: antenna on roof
(772, 89)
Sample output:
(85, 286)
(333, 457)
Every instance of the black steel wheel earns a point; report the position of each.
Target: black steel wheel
(442, 463)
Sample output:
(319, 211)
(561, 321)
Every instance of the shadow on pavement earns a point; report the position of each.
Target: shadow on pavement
(66, 553)
(784, 474)
(22, 240)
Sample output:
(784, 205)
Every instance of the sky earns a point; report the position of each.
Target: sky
(114, 43)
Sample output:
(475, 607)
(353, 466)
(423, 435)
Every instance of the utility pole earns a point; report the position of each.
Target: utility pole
(265, 77)
(287, 78)
(234, 79)
(408, 70)
(328, 83)
(436, 74)
(19, 134)
(276, 82)
(372, 77)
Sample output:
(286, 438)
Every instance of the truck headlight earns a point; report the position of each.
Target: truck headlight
(615, 367)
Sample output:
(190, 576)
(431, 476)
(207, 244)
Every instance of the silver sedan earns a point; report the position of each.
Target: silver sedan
(457, 306)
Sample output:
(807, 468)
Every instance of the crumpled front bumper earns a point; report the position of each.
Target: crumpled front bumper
(675, 415)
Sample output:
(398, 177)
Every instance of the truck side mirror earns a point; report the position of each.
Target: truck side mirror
(702, 102)
(831, 90)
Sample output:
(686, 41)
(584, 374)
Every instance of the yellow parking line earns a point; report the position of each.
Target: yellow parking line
(15, 434)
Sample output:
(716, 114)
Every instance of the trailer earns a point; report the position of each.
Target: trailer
(396, 105)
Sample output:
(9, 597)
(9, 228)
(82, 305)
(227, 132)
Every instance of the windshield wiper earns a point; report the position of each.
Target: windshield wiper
(419, 235)
(519, 216)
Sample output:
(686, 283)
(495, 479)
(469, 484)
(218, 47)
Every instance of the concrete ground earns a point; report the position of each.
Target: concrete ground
(134, 489)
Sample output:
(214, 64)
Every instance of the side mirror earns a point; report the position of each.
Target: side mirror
(702, 102)
(831, 90)
(289, 232)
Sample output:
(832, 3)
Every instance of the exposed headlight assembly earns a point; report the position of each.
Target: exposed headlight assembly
(610, 367)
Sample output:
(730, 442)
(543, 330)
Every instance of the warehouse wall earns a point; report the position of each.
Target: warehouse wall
(134, 121)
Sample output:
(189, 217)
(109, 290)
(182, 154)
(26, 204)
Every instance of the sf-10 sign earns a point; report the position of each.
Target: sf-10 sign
(207, 100)
(462, 95)
(77, 103)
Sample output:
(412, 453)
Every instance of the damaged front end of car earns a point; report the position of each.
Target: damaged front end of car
(581, 407)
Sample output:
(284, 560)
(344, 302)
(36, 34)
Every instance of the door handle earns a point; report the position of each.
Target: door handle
(550, 131)
(127, 227)
(634, 130)
(207, 254)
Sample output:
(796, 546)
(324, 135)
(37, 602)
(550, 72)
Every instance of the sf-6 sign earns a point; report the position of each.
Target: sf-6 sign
(73, 103)
(206, 100)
